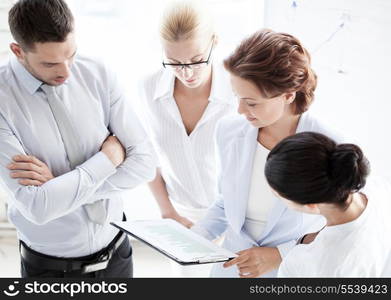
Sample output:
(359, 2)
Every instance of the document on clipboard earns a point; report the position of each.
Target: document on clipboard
(175, 241)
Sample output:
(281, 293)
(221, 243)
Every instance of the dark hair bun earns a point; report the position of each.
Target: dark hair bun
(348, 167)
(309, 167)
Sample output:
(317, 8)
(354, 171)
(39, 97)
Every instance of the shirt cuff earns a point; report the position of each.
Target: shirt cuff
(99, 167)
(286, 247)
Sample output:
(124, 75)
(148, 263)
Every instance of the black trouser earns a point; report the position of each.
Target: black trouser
(120, 265)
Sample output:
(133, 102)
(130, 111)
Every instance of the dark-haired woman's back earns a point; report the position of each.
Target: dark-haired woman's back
(359, 248)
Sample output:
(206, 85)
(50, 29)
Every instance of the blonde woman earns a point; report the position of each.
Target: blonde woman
(184, 100)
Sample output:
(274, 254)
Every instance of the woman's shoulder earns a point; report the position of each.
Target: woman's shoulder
(310, 122)
(231, 126)
(221, 90)
(292, 264)
(150, 79)
(378, 191)
(156, 83)
(233, 122)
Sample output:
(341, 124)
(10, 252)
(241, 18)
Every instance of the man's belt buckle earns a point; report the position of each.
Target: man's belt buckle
(100, 265)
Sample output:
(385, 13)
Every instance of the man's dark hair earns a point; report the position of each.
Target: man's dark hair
(40, 21)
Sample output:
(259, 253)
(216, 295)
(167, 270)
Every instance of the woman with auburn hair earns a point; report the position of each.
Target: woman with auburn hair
(314, 175)
(272, 78)
(184, 100)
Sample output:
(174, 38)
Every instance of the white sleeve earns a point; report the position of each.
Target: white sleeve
(287, 270)
(41, 204)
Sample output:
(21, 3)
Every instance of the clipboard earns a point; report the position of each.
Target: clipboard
(175, 241)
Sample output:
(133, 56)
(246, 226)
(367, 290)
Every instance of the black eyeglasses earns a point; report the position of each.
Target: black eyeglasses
(191, 66)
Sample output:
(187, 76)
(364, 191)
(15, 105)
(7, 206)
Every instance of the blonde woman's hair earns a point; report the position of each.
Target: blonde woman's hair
(183, 20)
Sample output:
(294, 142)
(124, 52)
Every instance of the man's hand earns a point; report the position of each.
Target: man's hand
(30, 170)
(256, 261)
(114, 150)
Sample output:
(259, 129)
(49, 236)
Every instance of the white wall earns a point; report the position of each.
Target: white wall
(5, 35)
(353, 64)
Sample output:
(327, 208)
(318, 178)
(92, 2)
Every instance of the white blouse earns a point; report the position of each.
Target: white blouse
(359, 248)
(187, 162)
(260, 200)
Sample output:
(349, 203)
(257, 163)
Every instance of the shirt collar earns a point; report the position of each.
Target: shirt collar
(25, 78)
(221, 91)
(165, 85)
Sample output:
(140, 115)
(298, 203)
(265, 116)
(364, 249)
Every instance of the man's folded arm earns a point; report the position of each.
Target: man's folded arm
(139, 165)
(58, 196)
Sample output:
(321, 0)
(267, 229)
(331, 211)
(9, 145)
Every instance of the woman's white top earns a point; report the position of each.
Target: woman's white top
(359, 248)
(260, 200)
(187, 162)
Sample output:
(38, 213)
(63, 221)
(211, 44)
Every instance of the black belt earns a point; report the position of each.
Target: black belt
(91, 263)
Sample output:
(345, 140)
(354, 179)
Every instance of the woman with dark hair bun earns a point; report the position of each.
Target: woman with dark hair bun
(314, 175)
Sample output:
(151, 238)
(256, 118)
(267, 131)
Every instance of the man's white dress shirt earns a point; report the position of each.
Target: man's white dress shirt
(51, 218)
